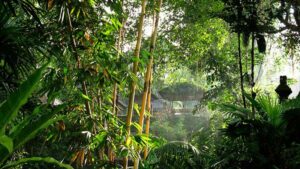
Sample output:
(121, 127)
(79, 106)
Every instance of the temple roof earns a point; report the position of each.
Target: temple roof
(182, 92)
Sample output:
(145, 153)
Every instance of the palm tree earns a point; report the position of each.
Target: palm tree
(264, 138)
(174, 155)
(18, 55)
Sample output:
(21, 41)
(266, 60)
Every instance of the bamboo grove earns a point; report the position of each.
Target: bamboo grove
(149, 84)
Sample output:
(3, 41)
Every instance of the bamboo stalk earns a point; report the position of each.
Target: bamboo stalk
(252, 73)
(147, 127)
(149, 67)
(148, 73)
(253, 24)
(240, 56)
(135, 70)
(241, 70)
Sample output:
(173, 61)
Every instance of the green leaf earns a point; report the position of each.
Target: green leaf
(25, 131)
(178, 149)
(142, 139)
(11, 106)
(7, 143)
(137, 126)
(234, 110)
(26, 120)
(145, 54)
(136, 108)
(22, 135)
(78, 13)
(49, 160)
(253, 101)
(65, 70)
(124, 152)
(92, 3)
(99, 140)
(116, 23)
(135, 59)
(72, 10)
(148, 114)
(133, 77)
(85, 97)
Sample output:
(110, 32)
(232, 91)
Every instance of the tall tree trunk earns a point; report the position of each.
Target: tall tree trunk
(240, 55)
(241, 69)
(252, 71)
(246, 58)
(135, 70)
(253, 24)
(148, 72)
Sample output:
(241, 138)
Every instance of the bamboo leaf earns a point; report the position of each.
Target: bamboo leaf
(99, 140)
(133, 77)
(137, 126)
(128, 141)
(136, 108)
(7, 143)
(142, 140)
(86, 97)
(148, 114)
(92, 3)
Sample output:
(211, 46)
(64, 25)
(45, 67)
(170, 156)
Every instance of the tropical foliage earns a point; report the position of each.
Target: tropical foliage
(98, 84)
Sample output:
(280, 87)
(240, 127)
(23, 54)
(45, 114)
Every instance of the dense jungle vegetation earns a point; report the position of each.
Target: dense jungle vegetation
(149, 84)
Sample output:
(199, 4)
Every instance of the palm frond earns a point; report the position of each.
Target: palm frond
(26, 6)
(235, 111)
(175, 154)
(253, 102)
(177, 148)
(272, 108)
(20, 51)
